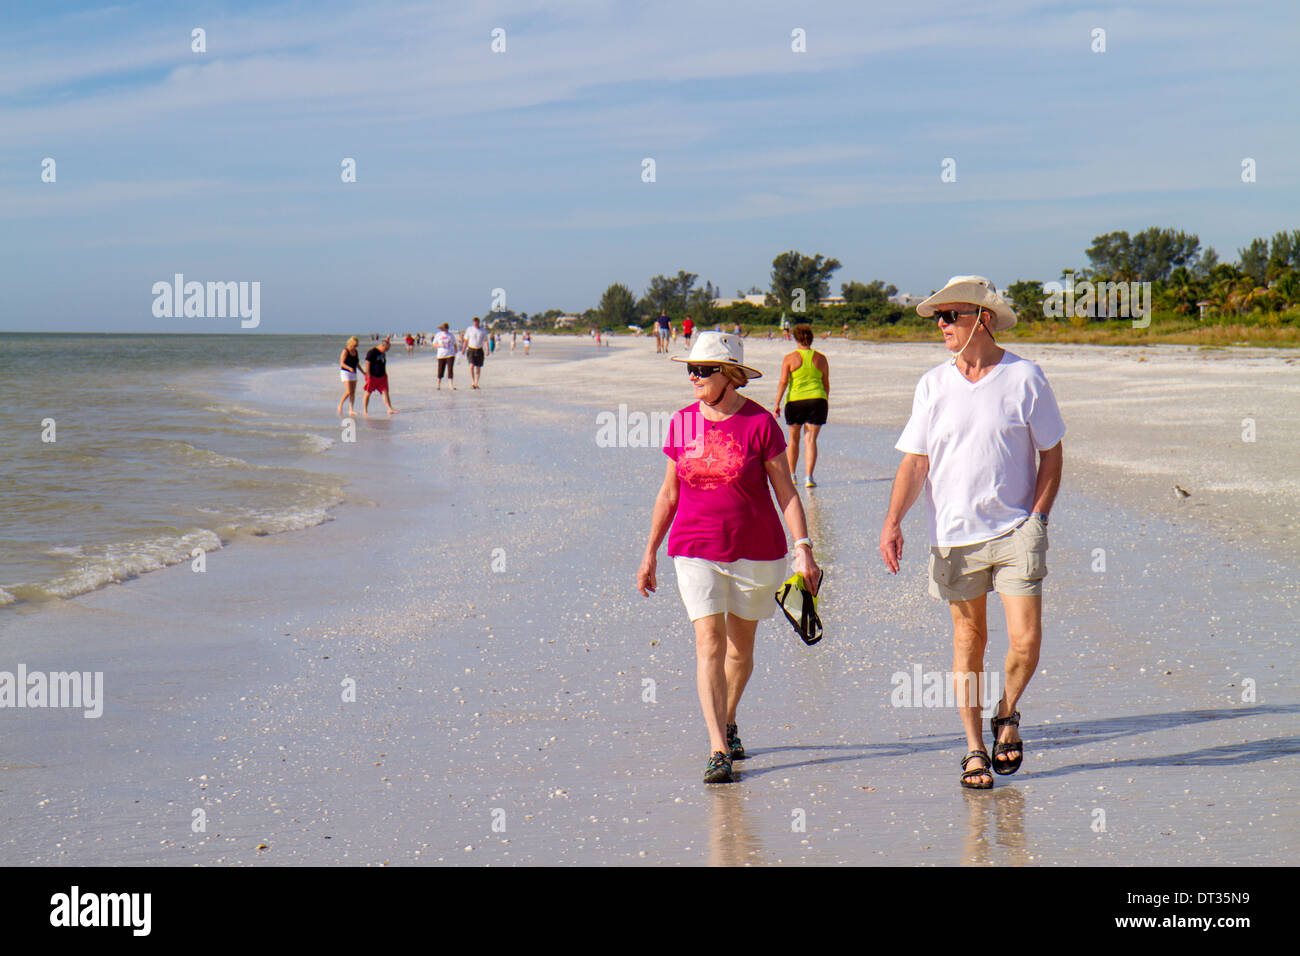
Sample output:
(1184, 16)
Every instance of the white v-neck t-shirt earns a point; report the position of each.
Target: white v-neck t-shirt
(982, 439)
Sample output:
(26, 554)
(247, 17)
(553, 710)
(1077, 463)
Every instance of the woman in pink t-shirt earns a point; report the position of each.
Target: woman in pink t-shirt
(728, 547)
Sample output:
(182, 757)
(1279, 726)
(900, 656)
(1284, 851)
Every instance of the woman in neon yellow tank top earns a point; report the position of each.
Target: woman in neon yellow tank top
(809, 376)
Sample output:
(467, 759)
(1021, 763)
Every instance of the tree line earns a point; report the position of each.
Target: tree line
(1265, 278)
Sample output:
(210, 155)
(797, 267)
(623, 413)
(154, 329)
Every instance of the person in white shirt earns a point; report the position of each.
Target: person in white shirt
(445, 343)
(475, 340)
(984, 441)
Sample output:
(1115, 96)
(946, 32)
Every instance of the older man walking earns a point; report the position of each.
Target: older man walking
(984, 440)
(475, 340)
(376, 369)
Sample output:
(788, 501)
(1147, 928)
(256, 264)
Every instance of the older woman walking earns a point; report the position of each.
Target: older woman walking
(348, 363)
(809, 376)
(726, 542)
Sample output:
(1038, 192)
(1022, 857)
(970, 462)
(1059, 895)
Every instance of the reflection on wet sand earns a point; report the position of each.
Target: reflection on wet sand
(732, 838)
(1005, 807)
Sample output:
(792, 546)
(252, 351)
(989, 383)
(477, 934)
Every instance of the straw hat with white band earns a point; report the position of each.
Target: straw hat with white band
(975, 290)
(719, 348)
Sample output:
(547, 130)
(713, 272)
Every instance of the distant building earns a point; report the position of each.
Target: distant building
(832, 300)
(905, 300)
(756, 298)
(567, 321)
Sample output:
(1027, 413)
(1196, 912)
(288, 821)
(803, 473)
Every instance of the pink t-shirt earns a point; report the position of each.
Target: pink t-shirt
(725, 509)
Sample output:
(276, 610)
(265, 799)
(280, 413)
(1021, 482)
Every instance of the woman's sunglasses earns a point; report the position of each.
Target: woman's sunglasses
(702, 371)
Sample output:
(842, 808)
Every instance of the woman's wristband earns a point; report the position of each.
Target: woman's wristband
(807, 541)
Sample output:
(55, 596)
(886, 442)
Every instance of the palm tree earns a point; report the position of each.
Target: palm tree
(1183, 290)
(1229, 292)
(1287, 288)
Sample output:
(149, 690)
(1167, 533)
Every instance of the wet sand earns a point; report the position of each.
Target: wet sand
(501, 716)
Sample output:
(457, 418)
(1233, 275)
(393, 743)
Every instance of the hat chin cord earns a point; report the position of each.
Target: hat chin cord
(720, 398)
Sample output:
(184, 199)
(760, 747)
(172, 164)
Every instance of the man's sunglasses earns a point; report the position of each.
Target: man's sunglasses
(950, 316)
(702, 371)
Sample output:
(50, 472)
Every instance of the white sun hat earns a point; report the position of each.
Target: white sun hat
(719, 348)
(975, 290)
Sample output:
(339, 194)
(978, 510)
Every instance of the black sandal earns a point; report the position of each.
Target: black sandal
(968, 775)
(997, 722)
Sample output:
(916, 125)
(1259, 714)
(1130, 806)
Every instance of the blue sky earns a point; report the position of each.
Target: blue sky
(522, 170)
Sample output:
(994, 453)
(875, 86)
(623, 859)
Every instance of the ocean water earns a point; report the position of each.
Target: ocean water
(153, 454)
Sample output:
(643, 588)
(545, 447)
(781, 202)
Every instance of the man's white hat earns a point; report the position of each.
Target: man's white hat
(719, 348)
(975, 290)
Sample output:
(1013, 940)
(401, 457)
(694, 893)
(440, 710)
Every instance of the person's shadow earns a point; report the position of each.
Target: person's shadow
(1056, 736)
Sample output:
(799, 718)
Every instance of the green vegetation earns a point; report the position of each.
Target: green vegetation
(1195, 299)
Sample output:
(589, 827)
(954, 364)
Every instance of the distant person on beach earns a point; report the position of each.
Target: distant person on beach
(492, 343)
(808, 374)
(377, 377)
(410, 343)
(528, 341)
(688, 326)
(475, 342)
(349, 361)
(514, 340)
(984, 441)
(445, 343)
(727, 544)
(661, 333)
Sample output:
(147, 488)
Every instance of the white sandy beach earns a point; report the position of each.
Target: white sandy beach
(515, 697)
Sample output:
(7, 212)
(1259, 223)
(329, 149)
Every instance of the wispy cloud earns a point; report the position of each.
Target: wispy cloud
(529, 161)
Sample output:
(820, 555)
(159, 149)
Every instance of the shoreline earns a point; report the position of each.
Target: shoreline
(522, 690)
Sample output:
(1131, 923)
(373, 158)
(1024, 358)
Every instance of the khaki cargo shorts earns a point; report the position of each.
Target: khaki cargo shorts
(1012, 563)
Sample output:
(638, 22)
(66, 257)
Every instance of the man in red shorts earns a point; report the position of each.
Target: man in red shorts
(376, 369)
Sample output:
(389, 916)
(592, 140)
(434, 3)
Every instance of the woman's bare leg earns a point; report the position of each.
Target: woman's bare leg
(711, 677)
(740, 660)
(810, 448)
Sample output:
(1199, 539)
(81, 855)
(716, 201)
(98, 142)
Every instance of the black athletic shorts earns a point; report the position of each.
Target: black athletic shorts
(475, 356)
(809, 411)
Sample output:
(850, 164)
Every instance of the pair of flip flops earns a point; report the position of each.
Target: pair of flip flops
(799, 605)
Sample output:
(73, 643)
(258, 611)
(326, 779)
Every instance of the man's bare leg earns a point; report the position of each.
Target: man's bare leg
(969, 638)
(1025, 630)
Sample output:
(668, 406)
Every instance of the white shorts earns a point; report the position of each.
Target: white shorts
(744, 588)
(347, 376)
